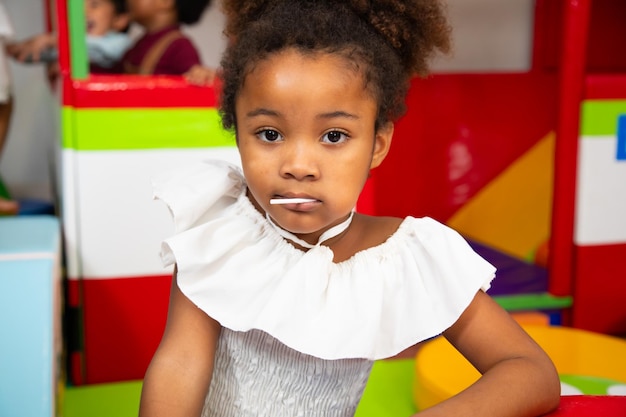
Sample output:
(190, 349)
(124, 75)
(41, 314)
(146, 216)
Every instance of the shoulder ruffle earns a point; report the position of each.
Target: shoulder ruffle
(234, 266)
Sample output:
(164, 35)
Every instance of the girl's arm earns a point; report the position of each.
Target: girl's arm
(178, 378)
(518, 378)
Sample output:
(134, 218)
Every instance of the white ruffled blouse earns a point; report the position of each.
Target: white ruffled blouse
(300, 332)
(236, 267)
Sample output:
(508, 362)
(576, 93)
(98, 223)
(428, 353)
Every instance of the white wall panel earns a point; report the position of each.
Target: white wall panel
(120, 226)
(601, 193)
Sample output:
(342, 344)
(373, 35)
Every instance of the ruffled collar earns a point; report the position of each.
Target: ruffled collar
(235, 266)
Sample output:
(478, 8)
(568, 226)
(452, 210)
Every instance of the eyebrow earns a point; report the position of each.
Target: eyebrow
(338, 113)
(262, 112)
(330, 115)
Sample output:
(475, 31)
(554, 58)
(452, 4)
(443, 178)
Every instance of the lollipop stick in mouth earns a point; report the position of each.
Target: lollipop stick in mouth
(291, 200)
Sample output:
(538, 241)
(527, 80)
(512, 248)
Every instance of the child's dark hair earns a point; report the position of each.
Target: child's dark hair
(387, 41)
(190, 11)
(120, 6)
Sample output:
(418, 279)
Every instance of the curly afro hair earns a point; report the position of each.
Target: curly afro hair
(190, 11)
(388, 41)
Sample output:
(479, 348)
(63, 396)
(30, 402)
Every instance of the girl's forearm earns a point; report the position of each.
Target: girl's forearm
(169, 390)
(518, 387)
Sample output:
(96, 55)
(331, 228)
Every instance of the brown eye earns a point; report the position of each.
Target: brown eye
(269, 135)
(335, 136)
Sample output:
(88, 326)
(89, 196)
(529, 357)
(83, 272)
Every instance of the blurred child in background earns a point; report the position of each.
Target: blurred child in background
(107, 23)
(163, 49)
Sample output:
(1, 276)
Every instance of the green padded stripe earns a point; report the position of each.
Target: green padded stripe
(67, 131)
(77, 38)
(599, 117)
(102, 400)
(389, 390)
(132, 129)
(540, 301)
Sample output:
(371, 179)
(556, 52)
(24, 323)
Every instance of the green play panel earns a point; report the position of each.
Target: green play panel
(389, 391)
(589, 385)
(102, 400)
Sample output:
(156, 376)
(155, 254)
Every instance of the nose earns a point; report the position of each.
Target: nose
(300, 161)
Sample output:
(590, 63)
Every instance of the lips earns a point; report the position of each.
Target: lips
(296, 202)
(295, 195)
(294, 198)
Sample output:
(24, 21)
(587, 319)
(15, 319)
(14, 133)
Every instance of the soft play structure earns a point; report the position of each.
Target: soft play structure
(117, 132)
(30, 308)
(529, 166)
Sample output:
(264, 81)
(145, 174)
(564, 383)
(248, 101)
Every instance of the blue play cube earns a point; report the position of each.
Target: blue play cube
(30, 315)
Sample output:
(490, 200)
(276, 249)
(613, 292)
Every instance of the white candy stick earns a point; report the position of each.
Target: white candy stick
(291, 200)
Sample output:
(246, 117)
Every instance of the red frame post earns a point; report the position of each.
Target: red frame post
(571, 90)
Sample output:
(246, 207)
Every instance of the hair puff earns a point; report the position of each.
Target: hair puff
(388, 41)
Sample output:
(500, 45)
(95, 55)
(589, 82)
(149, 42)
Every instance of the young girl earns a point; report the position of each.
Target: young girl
(283, 295)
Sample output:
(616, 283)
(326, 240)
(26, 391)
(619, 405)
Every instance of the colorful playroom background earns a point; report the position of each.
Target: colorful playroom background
(517, 140)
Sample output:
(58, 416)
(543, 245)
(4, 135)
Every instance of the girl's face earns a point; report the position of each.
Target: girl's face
(305, 128)
(101, 17)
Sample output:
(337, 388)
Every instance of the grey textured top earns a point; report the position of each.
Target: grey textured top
(256, 375)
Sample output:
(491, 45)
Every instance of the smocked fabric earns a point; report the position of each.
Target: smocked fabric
(257, 376)
(235, 267)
